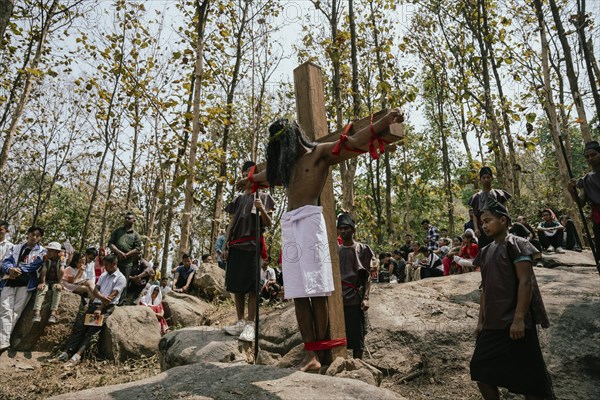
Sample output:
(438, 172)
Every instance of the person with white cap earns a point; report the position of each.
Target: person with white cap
(50, 276)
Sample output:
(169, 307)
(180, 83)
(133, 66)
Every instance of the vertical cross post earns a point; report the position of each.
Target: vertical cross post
(310, 105)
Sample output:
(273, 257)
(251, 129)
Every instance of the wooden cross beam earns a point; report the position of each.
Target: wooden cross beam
(310, 105)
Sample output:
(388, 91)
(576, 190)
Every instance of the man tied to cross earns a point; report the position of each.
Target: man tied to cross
(302, 168)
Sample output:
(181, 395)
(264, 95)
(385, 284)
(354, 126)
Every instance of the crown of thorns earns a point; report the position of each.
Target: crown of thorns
(286, 123)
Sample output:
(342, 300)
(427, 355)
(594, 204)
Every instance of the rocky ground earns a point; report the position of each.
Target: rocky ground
(421, 339)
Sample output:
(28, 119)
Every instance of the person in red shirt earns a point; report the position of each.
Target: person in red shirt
(468, 251)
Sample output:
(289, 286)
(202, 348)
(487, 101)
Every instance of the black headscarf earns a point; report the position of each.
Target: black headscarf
(485, 171)
(495, 208)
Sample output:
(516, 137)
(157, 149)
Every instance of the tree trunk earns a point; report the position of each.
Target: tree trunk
(504, 179)
(349, 166)
(6, 10)
(107, 203)
(514, 171)
(152, 219)
(107, 142)
(581, 22)
(383, 102)
(550, 109)
(12, 130)
(571, 74)
(440, 95)
(220, 187)
(186, 217)
(136, 133)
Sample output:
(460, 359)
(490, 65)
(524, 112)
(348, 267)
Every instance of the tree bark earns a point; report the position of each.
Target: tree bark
(6, 10)
(136, 134)
(109, 192)
(573, 83)
(107, 142)
(514, 171)
(12, 130)
(220, 187)
(550, 108)
(581, 22)
(186, 217)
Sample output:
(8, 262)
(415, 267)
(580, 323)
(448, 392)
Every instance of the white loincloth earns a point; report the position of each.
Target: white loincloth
(306, 263)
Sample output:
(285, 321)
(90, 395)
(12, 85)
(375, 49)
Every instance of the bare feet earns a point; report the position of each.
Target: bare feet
(310, 362)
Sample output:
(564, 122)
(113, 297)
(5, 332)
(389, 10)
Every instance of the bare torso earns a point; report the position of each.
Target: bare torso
(308, 179)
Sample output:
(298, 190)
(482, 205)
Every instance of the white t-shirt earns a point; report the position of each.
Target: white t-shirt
(267, 275)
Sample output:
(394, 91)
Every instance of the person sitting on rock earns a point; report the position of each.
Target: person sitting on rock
(572, 241)
(141, 275)
(355, 263)
(550, 232)
(413, 267)
(164, 286)
(184, 275)
(448, 260)
(74, 279)
(389, 267)
(468, 251)
(50, 277)
(107, 293)
(153, 299)
(431, 265)
(269, 288)
(400, 269)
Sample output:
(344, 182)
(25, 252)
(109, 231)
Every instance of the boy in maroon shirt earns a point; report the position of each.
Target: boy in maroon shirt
(508, 352)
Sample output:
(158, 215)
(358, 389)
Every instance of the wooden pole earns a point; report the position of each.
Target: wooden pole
(310, 105)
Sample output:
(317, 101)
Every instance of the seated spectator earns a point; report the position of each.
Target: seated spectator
(523, 221)
(207, 259)
(383, 273)
(106, 295)
(550, 232)
(571, 240)
(99, 263)
(447, 261)
(443, 247)
(74, 278)
(413, 267)
(519, 229)
(184, 275)
(50, 276)
(164, 286)
(406, 248)
(390, 266)
(19, 280)
(90, 260)
(444, 234)
(400, 272)
(141, 274)
(153, 299)
(468, 251)
(431, 265)
(269, 288)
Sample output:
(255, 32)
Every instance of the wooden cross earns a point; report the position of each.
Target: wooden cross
(310, 105)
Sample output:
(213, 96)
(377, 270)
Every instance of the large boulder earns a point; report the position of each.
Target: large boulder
(42, 336)
(187, 310)
(209, 282)
(197, 345)
(130, 332)
(355, 369)
(234, 381)
(279, 330)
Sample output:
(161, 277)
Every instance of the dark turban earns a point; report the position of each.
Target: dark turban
(495, 208)
(485, 171)
(345, 219)
(592, 145)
